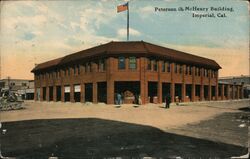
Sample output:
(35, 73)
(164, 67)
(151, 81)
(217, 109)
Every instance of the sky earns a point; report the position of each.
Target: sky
(33, 32)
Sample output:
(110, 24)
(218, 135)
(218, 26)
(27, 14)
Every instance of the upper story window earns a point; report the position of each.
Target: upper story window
(83, 66)
(132, 63)
(214, 73)
(155, 65)
(88, 67)
(190, 70)
(163, 66)
(58, 73)
(198, 71)
(121, 63)
(55, 73)
(168, 67)
(205, 73)
(149, 64)
(78, 69)
(175, 68)
(75, 71)
(180, 69)
(102, 65)
(187, 69)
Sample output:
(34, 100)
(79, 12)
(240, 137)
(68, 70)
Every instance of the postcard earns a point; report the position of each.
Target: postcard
(124, 79)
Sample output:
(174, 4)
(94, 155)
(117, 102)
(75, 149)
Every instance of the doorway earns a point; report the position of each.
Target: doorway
(88, 92)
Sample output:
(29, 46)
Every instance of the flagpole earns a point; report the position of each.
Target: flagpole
(128, 24)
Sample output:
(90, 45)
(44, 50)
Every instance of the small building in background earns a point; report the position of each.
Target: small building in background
(242, 80)
(23, 87)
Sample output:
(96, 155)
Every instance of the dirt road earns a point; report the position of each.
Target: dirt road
(152, 115)
(66, 130)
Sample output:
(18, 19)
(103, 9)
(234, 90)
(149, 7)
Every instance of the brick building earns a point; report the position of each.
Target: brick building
(131, 69)
(237, 80)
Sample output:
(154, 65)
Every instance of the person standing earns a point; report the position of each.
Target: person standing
(119, 98)
(139, 100)
(167, 100)
(136, 99)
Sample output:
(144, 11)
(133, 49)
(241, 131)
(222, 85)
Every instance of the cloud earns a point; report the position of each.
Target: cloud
(74, 26)
(34, 17)
(42, 8)
(92, 18)
(145, 12)
(28, 36)
(147, 9)
(234, 61)
(11, 23)
(123, 32)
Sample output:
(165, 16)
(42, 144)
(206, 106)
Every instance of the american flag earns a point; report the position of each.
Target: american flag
(122, 7)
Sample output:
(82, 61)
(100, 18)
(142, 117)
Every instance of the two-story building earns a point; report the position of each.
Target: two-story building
(132, 69)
